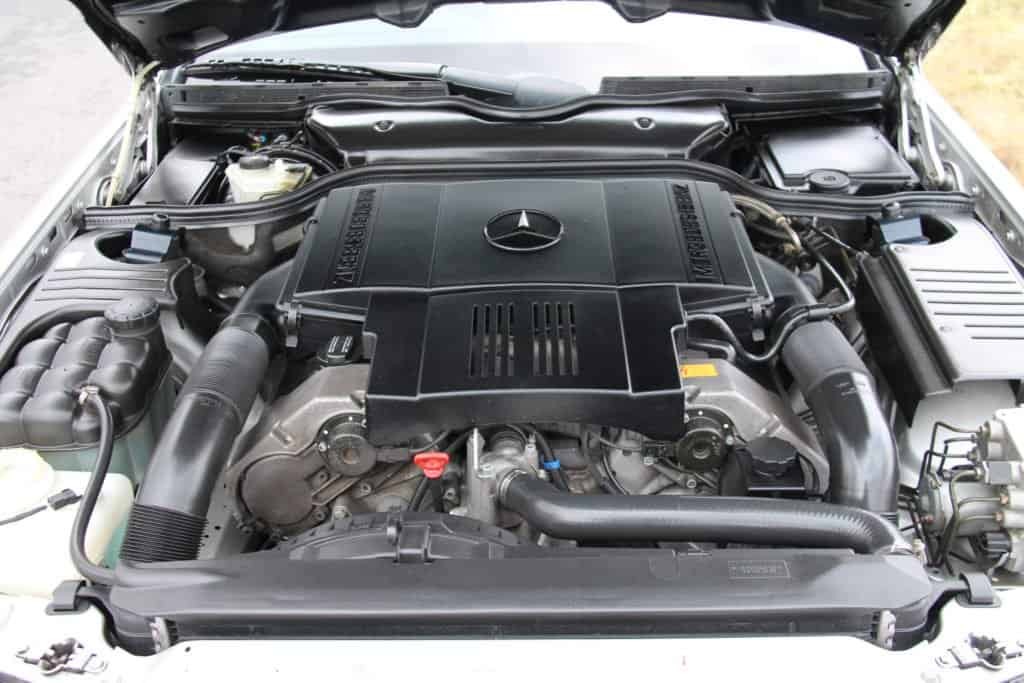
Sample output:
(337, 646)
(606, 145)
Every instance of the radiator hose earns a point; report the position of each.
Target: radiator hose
(761, 521)
(168, 517)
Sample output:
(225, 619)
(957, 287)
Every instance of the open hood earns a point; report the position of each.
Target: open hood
(176, 31)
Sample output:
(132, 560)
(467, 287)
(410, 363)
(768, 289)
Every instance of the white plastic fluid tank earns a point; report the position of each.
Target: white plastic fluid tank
(255, 177)
(35, 549)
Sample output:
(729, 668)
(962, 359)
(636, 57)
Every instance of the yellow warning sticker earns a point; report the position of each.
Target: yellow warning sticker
(691, 370)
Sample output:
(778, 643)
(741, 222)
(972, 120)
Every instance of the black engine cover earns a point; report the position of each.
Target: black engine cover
(497, 301)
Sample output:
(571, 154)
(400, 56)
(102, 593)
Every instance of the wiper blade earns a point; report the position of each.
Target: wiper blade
(523, 91)
(260, 69)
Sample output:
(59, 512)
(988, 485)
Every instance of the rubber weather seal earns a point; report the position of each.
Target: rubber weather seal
(306, 198)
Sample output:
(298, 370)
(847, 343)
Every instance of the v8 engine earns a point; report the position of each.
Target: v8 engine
(566, 323)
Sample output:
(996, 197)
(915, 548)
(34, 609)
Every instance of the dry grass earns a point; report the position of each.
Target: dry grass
(978, 65)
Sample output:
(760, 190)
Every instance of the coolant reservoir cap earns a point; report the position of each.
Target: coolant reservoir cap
(254, 162)
(825, 180)
(133, 314)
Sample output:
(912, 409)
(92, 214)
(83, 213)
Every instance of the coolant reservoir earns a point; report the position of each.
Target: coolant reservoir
(35, 549)
(257, 176)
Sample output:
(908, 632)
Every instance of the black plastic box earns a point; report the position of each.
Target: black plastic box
(840, 159)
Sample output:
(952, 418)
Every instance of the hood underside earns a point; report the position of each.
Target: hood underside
(176, 31)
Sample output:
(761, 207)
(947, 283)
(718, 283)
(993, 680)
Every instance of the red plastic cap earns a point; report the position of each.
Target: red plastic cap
(432, 463)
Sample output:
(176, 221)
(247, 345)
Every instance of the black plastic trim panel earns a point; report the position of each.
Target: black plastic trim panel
(281, 103)
(566, 593)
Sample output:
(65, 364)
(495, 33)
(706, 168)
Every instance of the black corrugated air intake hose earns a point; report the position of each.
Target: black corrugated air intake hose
(840, 392)
(761, 521)
(169, 514)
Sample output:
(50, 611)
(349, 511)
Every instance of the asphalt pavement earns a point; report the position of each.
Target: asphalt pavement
(59, 87)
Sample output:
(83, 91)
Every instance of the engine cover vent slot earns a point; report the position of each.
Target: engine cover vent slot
(492, 350)
(555, 351)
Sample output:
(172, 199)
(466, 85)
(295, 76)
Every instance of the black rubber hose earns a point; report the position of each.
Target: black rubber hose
(104, 453)
(548, 455)
(760, 521)
(840, 392)
(855, 434)
(169, 514)
(787, 289)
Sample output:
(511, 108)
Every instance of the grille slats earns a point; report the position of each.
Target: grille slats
(554, 347)
(492, 341)
(988, 302)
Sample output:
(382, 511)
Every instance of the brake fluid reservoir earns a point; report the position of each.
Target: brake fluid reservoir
(256, 176)
(36, 548)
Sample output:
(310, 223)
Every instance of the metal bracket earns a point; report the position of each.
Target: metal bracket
(885, 631)
(979, 651)
(979, 593)
(290, 322)
(66, 599)
(758, 319)
(915, 138)
(68, 656)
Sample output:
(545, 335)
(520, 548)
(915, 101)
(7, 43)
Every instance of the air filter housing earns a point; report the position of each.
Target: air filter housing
(942, 312)
(522, 300)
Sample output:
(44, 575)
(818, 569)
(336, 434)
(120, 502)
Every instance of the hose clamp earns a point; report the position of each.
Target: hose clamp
(86, 392)
(505, 480)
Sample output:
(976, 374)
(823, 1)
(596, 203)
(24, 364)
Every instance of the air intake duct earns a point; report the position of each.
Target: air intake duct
(169, 515)
(761, 521)
(841, 393)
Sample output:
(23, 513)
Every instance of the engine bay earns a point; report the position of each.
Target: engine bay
(660, 339)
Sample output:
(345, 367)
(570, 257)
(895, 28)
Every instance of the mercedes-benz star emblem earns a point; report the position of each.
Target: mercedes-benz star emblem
(523, 230)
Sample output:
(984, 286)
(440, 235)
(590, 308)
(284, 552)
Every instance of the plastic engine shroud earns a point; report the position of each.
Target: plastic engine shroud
(464, 332)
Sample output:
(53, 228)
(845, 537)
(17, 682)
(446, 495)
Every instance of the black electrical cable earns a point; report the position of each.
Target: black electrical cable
(602, 481)
(433, 444)
(419, 494)
(723, 328)
(849, 300)
(831, 238)
(612, 444)
(788, 322)
(23, 515)
(58, 500)
(105, 449)
(547, 455)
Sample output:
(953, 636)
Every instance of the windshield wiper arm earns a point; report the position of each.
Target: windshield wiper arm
(523, 91)
(256, 69)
